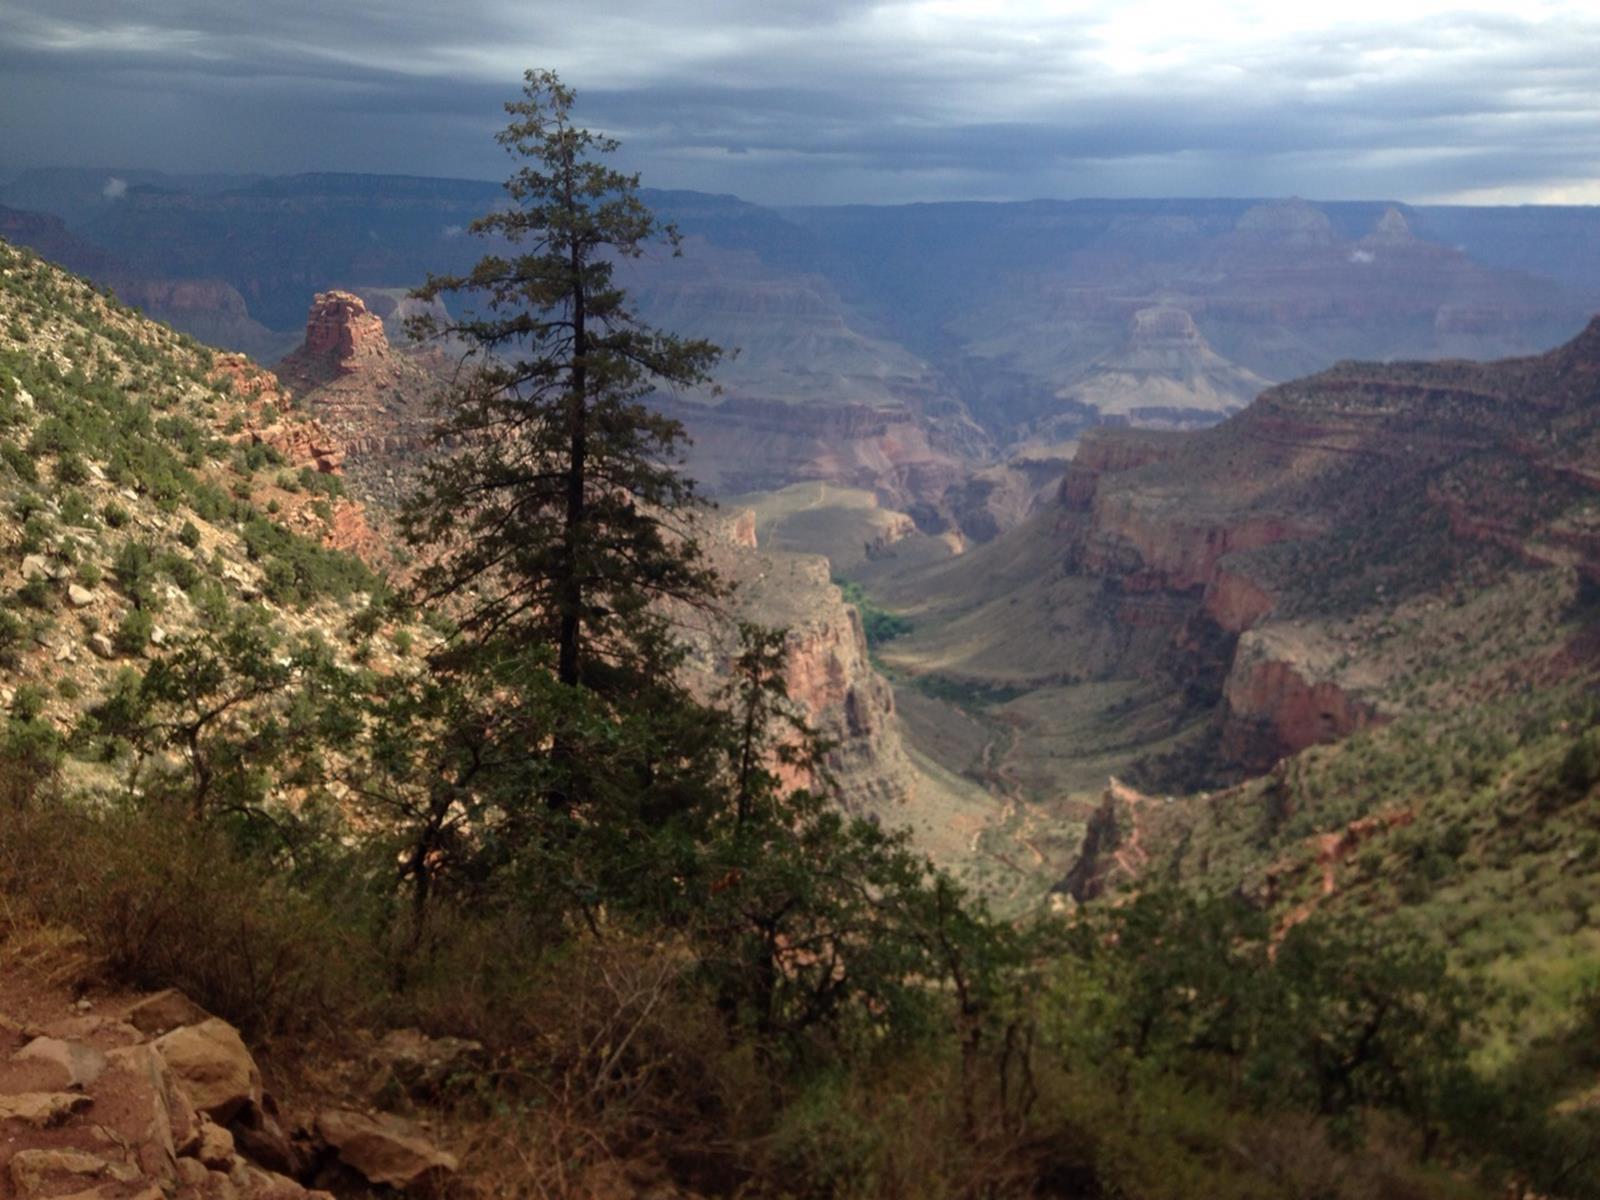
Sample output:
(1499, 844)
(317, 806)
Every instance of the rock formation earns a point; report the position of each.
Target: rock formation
(829, 674)
(341, 338)
(119, 1103)
(375, 401)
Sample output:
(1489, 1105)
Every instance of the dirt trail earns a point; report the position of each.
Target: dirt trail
(1329, 852)
(1130, 855)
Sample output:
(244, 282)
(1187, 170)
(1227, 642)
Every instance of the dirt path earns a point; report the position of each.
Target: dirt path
(1130, 856)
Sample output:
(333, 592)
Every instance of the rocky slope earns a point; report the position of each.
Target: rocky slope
(152, 479)
(829, 673)
(148, 1096)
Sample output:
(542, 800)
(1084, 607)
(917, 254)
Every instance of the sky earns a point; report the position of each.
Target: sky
(833, 101)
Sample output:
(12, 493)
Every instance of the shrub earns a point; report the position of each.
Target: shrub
(35, 594)
(19, 461)
(166, 903)
(133, 635)
(71, 468)
(13, 636)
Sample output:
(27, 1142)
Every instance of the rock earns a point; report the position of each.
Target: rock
(265, 1142)
(192, 1173)
(33, 1171)
(216, 1147)
(423, 1066)
(383, 1149)
(340, 334)
(79, 1064)
(42, 1109)
(101, 645)
(165, 1011)
(252, 1183)
(79, 596)
(213, 1068)
(35, 567)
(158, 636)
(153, 1114)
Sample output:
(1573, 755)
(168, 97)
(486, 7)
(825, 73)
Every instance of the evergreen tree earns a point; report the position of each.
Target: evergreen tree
(555, 518)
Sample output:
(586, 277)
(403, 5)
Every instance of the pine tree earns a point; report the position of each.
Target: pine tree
(557, 517)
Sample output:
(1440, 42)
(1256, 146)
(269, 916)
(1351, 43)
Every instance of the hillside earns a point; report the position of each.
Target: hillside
(151, 481)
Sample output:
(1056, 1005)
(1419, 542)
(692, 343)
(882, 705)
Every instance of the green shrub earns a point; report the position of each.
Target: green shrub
(35, 593)
(13, 637)
(19, 461)
(133, 635)
(71, 468)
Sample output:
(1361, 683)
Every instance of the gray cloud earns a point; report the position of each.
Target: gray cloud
(818, 100)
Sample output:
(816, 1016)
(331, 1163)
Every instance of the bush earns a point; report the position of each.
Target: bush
(133, 635)
(13, 637)
(71, 469)
(1580, 767)
(167, 903)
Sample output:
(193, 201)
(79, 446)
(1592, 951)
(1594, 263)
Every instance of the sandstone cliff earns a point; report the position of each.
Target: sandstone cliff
(829, 674)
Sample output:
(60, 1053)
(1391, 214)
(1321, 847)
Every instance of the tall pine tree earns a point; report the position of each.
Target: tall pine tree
(557, 519)
(554, 509)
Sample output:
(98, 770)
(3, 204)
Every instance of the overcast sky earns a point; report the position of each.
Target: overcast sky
(822, 101)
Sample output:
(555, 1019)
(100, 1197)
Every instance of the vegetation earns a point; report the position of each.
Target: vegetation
(877, 623)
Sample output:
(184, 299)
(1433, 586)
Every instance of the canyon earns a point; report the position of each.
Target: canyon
(900, 348)
(1033, 431)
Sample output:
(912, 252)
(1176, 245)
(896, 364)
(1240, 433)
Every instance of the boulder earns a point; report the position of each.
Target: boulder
(42, 1110)
(34, 1172)
(79, 596)
(215, 1148)
(383, 1149)
(34, 567)
(78, 1064)
(152, 1112)
(102, 645)
(213, 1068)
(164, 1011)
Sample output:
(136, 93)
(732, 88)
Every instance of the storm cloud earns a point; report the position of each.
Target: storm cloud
(824, 101)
